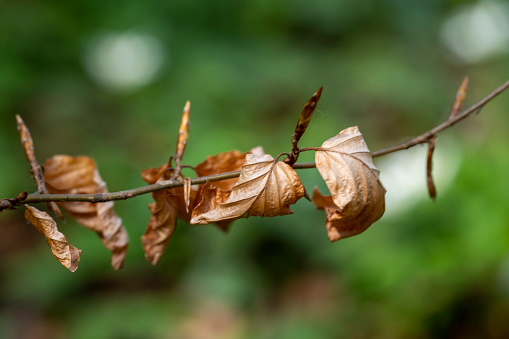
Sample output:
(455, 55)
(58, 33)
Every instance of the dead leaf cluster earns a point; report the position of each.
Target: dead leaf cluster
(266, 187)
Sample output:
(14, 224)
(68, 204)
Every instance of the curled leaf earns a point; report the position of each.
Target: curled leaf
(357, 195)
(79, 175)
(211, 197)
(161, 226)
(221, 163)
(265, 188)
(66, 254)
(217, 192)
(169, 204)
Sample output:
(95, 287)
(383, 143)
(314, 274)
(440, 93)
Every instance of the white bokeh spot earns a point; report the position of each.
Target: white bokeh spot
(124, 61)
(477, 32)
(403, 174)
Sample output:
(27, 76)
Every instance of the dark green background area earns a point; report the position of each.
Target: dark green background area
(434, 270)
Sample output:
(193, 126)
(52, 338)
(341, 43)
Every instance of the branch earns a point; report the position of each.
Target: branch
(425, 137)
(103, 197)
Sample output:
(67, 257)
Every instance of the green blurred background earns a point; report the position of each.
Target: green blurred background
(109, 80)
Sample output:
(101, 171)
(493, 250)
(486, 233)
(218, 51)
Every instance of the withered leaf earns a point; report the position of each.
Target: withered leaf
(211, 197)
(225, 162)
(265, 188)
(217, 192)
(357, 195)
(221, 163)
(169, 204)
(79, 175)
(66, 254)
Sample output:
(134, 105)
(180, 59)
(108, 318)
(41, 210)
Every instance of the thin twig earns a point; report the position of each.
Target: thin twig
(425, 137)
(103, 197)
(122, 195)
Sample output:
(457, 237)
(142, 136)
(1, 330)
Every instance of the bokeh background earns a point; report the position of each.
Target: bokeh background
(109, 80)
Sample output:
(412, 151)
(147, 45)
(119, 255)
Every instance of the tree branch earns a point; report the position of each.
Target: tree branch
(425, 137)
(103, 197)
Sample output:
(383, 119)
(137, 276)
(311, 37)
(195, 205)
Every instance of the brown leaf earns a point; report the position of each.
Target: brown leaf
(152, 175)
(358, 197)
(265, 188)
(222, 163)
(160, 226)
(66, 254)
(169, 204)
(211, 197)
(217, 192)
(78, 175)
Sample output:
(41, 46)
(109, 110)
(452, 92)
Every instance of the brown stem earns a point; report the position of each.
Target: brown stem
(122, 195)
(425, 137)
(103, 197)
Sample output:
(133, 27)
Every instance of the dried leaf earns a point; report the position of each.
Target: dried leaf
(265, 188)
(211, 197)
(66, 254)
(357, 200)
(169, 204)
(78, 175)
(152, 175)
(429, 167)
(460, 98)
(160, 226)
(222, 163)
(217, 192)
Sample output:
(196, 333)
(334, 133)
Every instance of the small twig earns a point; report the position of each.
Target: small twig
(10, 204)
(122, 195)
(103, 197)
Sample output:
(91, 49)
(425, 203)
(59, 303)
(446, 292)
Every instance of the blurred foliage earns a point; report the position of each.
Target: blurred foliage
(432, 270)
